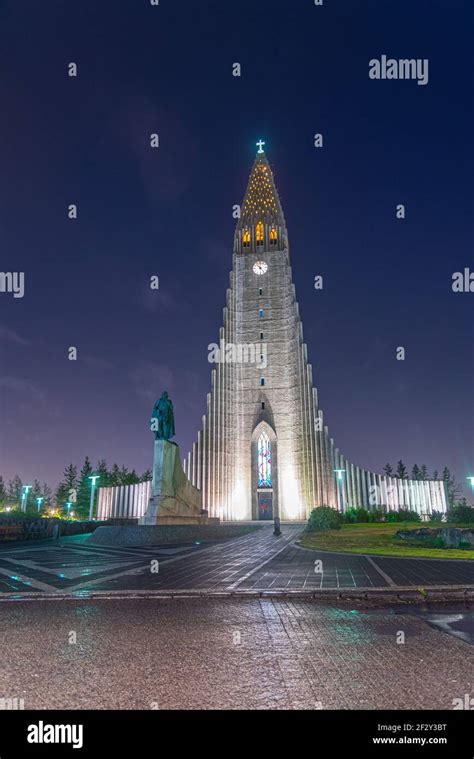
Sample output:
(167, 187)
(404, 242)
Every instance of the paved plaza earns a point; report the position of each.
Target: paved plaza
(256, 561)
(227, 654)
(122, 652)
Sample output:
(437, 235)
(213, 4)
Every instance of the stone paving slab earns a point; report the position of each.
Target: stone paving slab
(227, 654)
(427, 571)
(257, 562)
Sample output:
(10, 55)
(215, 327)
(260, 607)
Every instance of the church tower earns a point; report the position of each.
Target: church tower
(263, 449)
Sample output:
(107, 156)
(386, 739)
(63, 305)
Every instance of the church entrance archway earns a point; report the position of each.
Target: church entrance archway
(264, 473)
(265, 504)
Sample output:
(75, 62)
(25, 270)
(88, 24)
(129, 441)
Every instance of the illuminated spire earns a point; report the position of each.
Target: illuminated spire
(261, 198)
(261, 216)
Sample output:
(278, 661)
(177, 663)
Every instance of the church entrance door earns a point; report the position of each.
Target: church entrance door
(265, 504)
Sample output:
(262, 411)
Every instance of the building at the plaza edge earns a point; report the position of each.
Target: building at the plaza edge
(264, 449)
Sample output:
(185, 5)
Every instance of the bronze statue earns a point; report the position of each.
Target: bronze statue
(162, 418)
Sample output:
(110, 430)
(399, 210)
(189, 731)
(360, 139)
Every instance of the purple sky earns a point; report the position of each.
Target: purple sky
(169, 212)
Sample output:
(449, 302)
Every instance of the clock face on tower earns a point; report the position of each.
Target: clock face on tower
(260, 267)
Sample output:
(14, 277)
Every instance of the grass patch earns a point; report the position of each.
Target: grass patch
(378, 538)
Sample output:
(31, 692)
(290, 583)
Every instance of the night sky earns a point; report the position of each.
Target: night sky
(168, 212)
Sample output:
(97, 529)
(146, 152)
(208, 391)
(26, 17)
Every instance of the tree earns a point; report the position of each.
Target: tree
(47, 494)
(128, 478)
(436, 475)
(3, 490)
(68, 483)
(453, 490)
(401, 472)
(84, 489)
(103, 473)
(34, 493)
(124, 476)
(36, 490)
(114, 475)
(424, 472)
(416, 472)
(147, 475)
(388, 469)
(14, 489)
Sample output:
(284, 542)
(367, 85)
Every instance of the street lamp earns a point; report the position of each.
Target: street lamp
(68, 506)
(24, 497)
(340, 492)
(93, 478)
(39, 501)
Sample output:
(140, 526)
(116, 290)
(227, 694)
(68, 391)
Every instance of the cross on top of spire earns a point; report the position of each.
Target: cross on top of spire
(260, 145)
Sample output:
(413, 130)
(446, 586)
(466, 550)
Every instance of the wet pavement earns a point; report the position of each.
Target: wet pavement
(256, 561)
(229, 654)
(455, 621)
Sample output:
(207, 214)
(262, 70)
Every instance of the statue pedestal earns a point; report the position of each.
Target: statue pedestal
(173, 499)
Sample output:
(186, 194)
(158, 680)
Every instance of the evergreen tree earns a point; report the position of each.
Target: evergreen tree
(114, 476)
(453, 490)
(3, 490)
(436, 475)
(68, 483)
(424, 472)
(147, 475)
(416, 472)
(124, 476)
(84, 489)
(401, 472)
(15, 487)
(128, 478)
(36, 491)
(47, 494)
(103, 473)
(388, 469)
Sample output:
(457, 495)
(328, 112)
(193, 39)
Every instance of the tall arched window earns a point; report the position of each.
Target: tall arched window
(246, 238)
(259, 233)
(273, 236)
(264, 453)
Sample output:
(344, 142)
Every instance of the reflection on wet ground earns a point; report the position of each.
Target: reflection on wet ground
(453, 619)
(255, 562)
(230, 654)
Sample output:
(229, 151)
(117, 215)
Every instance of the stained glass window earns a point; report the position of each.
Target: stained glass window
(264, 452)
(259, 233)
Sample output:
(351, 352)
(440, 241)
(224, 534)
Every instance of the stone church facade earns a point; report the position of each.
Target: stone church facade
(264, 449)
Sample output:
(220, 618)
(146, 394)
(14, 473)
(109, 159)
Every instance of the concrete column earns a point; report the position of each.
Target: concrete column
(365, 494)
(317, 451)
(304, 457)
(331, 469)
(205, 496)
(199, 461)
(359, 488)
(312, 441)
(217, 438)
